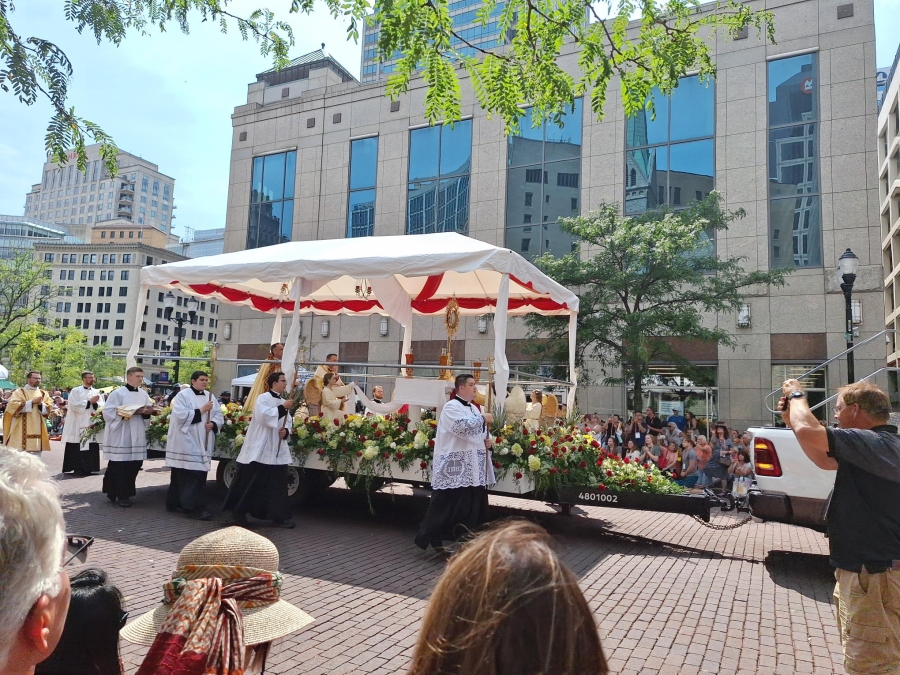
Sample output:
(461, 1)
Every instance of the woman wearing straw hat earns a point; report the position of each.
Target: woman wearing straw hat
(220, 611)
(261, 484)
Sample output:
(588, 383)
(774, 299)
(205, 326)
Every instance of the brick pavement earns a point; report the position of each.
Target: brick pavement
(669, 595)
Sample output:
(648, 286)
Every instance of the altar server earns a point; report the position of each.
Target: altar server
(81, 458)
(127, 413)
(260, 486)
(23, 421)
(195, 420)
(461, 470)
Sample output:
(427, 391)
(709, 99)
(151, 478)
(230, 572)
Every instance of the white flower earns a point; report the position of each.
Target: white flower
(370, 452)
(229, 422)
(224, 409)
(343, 434)
(238, 440)
(504, 451)
(534, 463)
(420, 440)
(393, 446)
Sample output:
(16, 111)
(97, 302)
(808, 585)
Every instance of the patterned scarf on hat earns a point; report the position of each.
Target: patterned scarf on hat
(203, 633)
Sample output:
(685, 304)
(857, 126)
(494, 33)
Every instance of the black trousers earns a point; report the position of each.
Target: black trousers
(187, 490)
(82, 462)
(453, 514)
(260, 490)
(120, 477)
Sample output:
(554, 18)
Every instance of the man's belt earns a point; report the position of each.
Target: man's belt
(876, 567)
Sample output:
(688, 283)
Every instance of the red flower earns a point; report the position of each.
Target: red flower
(387, 455)
(595, 444)
(582, 464)
(601, 487)
(518, 475)
(531, 452)
(359, 453)
(553, 469)
(498, 440)
(533, 444)
(337, 423)
(649, 479)
(431, 443)
(423, 465)
(609, 473)
(378, 434)
(362, 439)
(320, 452)
(626, 461)
(600, 462)
(399, 455)
(565, 471)
(496, 465)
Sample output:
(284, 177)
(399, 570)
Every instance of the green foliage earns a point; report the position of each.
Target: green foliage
(22, 280)
(191, 348)
(672, 38)
(643, 278)
(61, 356)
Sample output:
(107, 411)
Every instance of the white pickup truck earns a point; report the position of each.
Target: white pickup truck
(789, 487)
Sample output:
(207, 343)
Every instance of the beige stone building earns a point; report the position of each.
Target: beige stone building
(889, 204)
(94, 287)
(785, 132)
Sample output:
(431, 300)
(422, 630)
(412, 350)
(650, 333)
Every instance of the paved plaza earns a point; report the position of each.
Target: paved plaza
(669, 595)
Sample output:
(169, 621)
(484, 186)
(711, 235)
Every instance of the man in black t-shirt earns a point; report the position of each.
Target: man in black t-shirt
(863, 517)
(654, 423)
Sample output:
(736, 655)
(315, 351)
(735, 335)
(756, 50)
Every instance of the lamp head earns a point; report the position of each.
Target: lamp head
(848, 262)
(169, 300)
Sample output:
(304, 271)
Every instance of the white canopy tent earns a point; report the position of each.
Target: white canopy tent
(395, 276)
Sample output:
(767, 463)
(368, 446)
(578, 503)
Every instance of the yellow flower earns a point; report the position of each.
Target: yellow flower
(534, 463)
(516, 450)
(370, 452)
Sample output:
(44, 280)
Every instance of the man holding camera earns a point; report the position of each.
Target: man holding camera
(863, 517)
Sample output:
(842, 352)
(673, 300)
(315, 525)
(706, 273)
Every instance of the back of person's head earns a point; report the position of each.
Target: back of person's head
(90, 641)
(506, 605)
(32, 537)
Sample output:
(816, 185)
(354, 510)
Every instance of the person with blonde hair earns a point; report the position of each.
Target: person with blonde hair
(507, 605)
(34, 589)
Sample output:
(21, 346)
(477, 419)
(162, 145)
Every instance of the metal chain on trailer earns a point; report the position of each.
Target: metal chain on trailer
(713, 526)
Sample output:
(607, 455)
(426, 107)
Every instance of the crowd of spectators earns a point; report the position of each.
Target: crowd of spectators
(696, 454)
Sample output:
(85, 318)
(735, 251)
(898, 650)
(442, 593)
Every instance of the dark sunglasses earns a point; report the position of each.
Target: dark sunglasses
(123, 620)
(77, 547)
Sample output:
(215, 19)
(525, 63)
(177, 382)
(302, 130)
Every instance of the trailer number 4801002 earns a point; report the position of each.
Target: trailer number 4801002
(598, 497)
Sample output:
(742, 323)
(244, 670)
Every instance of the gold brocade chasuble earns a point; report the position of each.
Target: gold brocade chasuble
(259, 384)
(26, 430)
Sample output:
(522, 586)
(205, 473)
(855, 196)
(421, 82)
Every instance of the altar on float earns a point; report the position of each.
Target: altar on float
(407, 275)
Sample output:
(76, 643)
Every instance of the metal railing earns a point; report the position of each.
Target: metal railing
(776, 393)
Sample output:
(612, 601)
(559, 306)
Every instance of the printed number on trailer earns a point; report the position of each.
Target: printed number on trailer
(598, 497)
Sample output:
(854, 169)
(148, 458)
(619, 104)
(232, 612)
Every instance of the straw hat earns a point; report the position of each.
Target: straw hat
(238, 547)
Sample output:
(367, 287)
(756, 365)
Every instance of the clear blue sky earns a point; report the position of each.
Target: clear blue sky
(169, 98)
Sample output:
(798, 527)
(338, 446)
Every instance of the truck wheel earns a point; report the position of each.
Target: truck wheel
(225, 472)
(309, 486)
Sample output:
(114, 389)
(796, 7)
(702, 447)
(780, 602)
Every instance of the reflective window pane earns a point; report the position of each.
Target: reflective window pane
(256, 184)
(564, 142)
(524, 195)
(691, 171)
(793, 160)
(363, 163)
(253, 226)
(287, 221)
(361, 214)
(273, 177)
(453, 205)
(555, 240)
(269, 224)
(641, 130)
(646, 179)
(795, 232)
(693, 110)
(563, 185)
(525, 147)
(792, 90)
(524, 240)
(456, 148)
(421, 206)
(290, 174)
(424, 146)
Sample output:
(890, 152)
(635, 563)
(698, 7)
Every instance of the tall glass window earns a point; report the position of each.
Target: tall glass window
(543, 184)
(795, 218)
(361, 201)
(440, 164)
(272, 199)
(670, 159)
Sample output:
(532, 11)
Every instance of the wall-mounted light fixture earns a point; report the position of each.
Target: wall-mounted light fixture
(482, 325)
(743, 316)
(856, 307)
(326, 327)
(226, 331)
(383, 326)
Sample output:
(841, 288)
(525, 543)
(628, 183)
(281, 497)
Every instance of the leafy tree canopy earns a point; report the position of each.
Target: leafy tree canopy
(644, 280)
(191, 348)
(672, 38)
(22, 284)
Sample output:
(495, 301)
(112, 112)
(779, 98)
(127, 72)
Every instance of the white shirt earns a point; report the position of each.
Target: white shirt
(78, 413)
(460, 459)
(262, 443)
(30, 402)
(189, 445)
(125, 439)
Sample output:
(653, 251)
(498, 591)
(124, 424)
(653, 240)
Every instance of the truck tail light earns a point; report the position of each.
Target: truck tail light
(765, 458)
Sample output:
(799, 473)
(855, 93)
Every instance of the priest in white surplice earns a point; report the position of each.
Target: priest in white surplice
(260, 485)
(127, 413)
(461, 470)
(195, 420)
(81, 458)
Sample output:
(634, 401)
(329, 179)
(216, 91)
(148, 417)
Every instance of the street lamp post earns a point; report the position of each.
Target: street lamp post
(179, 320)
(848, 264)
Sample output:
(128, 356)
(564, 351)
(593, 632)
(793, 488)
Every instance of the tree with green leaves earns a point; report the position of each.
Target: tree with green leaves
(191, 348)
(671, 39)
(643, 281)
(61, 356)
(25, 287)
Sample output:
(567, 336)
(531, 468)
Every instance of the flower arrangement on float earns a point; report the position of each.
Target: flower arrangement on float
(158, 429)
(378, 446)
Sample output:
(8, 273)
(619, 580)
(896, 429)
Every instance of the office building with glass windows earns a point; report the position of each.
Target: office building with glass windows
(782, 133)
(138, 195)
